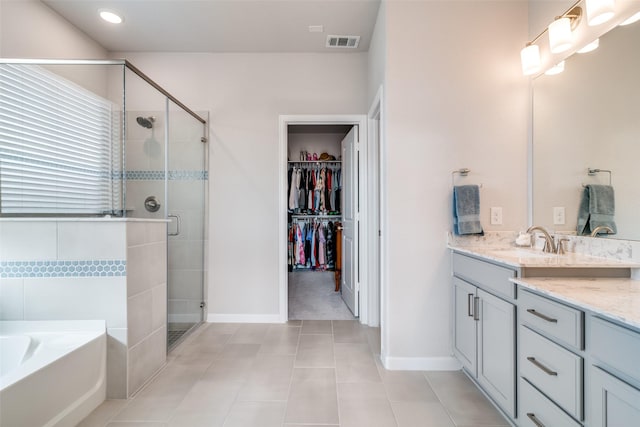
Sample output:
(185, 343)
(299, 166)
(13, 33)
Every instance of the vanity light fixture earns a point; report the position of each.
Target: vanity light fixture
(590, 47)
(110, 16)
(560, 35)
(633, 19)
(530, 58)
(556, 69)
(599, 11)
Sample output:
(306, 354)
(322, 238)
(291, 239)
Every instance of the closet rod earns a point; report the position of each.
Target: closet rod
(315, 161)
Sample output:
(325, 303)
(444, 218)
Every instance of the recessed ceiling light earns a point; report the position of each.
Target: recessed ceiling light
(110, 16)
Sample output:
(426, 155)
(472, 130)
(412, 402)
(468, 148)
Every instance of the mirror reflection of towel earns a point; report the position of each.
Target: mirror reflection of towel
(597, 208)
(466, 210)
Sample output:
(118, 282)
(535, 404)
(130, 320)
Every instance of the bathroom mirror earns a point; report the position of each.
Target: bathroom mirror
(589, 117)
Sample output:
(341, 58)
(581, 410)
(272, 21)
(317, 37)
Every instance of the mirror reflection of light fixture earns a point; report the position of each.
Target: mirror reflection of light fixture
(556, 69)
(590, 47)
(599, 11)
(633, 19)
(530, 58)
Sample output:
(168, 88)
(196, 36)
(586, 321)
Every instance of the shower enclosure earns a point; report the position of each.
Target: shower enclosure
(151, 162)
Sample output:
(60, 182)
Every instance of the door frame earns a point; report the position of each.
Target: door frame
(360, 120)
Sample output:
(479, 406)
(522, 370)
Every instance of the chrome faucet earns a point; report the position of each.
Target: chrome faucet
(600, 228)
(549, 244)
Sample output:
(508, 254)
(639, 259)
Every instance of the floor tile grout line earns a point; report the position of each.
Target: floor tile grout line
(244, 383)
(293, 368)
(446, 410)
(335, 372)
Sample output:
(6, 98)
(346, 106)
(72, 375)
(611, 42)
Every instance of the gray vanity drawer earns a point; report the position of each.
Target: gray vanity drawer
(551, 318)
(552, 369)
(489, 276)
(535, 407)
(616, 346)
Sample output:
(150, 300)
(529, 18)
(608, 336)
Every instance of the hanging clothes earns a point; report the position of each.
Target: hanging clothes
(327, 190)
(302, 191)
(293, 193)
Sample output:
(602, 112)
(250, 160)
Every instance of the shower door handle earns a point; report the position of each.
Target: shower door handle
(178, 221)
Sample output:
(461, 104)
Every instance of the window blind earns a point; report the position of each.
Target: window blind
(56, 145)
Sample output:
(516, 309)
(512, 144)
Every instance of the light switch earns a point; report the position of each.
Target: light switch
(558, 216)
(496, 216)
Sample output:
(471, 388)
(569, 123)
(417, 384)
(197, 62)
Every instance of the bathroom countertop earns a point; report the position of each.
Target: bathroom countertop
(616, 299)
(535, 258)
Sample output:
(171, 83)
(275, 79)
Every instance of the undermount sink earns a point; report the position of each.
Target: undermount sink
(523, 253)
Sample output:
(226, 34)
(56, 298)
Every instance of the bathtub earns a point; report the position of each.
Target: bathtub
(52, 373)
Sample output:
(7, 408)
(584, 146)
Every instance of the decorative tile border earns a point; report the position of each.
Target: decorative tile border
(91, 268)
(173, 175)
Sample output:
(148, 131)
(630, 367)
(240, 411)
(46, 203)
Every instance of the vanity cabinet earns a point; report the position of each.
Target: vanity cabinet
(484, 327)
(614, 375)
(550, 362)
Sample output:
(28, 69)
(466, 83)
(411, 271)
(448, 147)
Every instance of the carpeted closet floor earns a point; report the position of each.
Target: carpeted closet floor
(312, 297)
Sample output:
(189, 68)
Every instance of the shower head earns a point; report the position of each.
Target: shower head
(146, 122)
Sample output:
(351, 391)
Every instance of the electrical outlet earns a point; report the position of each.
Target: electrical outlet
(496, 216)
(558, 216)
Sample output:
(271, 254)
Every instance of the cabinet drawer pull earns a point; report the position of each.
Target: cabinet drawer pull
(542, 367)
(542, 316)
(470, 305)
(476, 308)
(534, 420)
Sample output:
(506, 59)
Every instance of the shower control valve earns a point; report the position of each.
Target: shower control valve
(151, 204)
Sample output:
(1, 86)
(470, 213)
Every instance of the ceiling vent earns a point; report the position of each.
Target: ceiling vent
(348, 42)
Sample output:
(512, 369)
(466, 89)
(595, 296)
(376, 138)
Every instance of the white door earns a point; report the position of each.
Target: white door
(348, 287)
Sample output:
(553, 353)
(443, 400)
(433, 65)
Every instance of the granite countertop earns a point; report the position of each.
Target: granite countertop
(616, 299)
(526, 257)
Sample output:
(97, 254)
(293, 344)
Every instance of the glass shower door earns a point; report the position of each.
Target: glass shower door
(186, 203)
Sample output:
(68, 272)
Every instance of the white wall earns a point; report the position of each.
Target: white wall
(377, 57)
(455, 97)
(29, 29)
(245, 94)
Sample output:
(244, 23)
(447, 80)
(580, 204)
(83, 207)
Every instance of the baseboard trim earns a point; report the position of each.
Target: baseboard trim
(421, 363)
(243, 318)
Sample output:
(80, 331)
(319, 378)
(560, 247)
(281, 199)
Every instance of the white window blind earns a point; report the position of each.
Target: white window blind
(56, 145)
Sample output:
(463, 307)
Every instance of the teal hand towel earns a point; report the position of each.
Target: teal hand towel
(597, 208)
(466, 210)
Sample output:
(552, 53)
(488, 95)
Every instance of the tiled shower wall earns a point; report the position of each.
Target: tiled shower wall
(52, 269)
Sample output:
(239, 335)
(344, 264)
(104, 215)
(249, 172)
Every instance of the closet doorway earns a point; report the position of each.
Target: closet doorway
(320, 260)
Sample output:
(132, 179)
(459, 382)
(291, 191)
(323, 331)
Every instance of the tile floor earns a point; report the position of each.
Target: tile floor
(305, 373)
